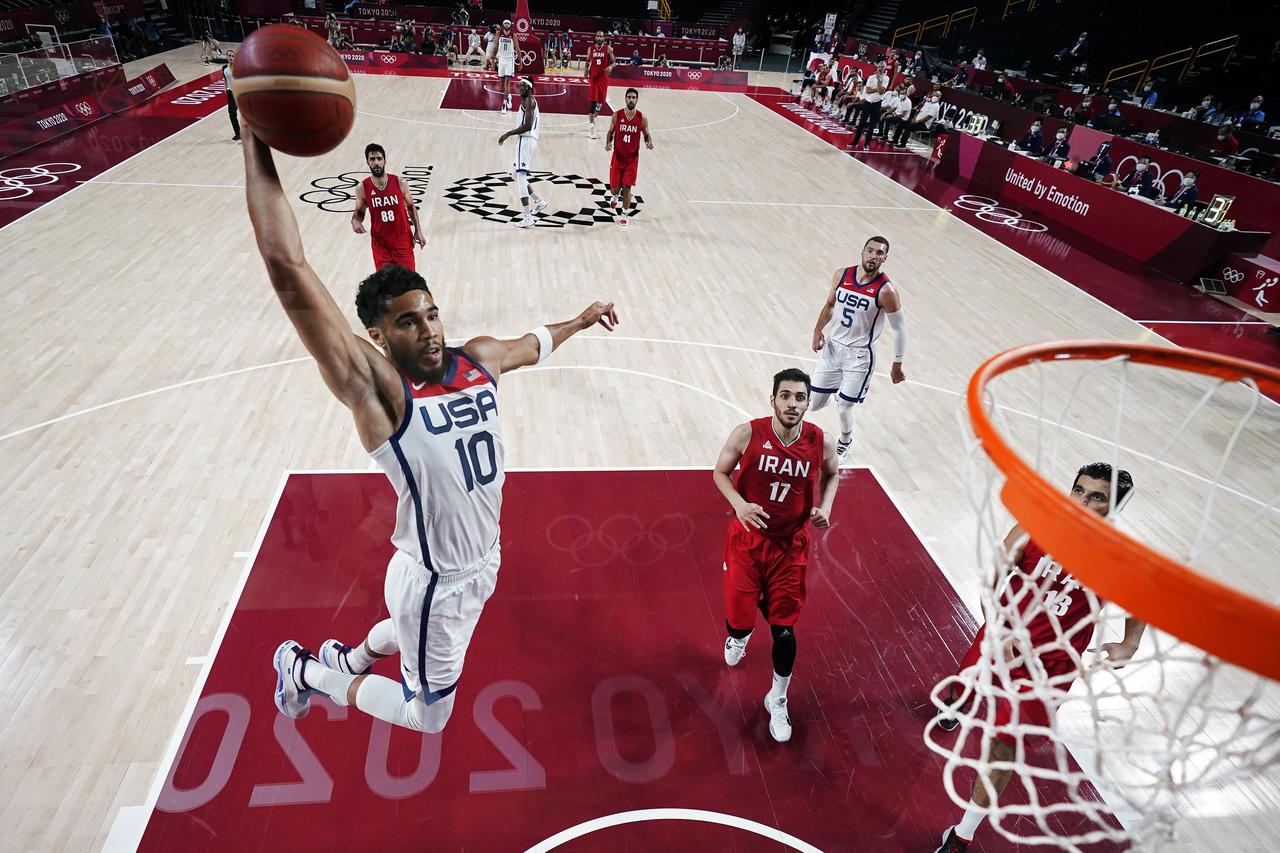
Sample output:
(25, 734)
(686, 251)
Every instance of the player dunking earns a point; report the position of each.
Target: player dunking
(1071, 603)
(864, 297)
(393, 213)
(502, 52)
(599, 64)
(526, 134)
(626, 129)
(767, 549)
(428, 415)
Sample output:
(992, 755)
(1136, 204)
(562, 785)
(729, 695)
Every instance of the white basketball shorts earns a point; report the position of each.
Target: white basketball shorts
(434, 616)
(844, 371)
(525, 149)
(506, 66)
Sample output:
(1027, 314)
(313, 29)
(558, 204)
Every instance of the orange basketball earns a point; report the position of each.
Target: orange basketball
(294, 90)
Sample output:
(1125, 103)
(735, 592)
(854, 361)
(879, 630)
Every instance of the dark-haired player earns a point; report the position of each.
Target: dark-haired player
(1061, 604)
(624, 139)
(599, 64)
(428, 415)
(392, 213)
(782, 459)
(858, 303)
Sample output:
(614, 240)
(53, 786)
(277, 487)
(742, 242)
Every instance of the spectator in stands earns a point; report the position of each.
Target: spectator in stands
(637, 60)
(1140, 181)
(1148, 96)
(1186, 194)
(1076, 51)
(925, 118)
(1080, 73)
(739, 45)
(488, 41)
(429, 44)
(461, 17)
(916, 66)
(473, 47)
(566, 49)
(723, 64)
(1226, 145)
(211, 49)
(446, 39)
(899, 116)
(1033, 140)
(819, 42)
(1060, 149)
(104, 27)
(1202, 112)
(154, 42)
(231, 98)
(979, 60)
(1098, 166)
(960, 77)
(873, 93)
(1254, 115)
(1110, 119)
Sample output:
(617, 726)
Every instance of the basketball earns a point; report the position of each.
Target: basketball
(294, 90)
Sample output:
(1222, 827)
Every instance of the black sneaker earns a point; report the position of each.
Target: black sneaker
(949, 724)
(952, 843)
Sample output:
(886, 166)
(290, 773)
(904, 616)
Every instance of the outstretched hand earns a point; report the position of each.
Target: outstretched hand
(599, 312)
(1116, 654)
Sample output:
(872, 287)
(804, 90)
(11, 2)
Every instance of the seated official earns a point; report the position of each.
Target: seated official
(1148, 96)
(1140, 181)
(1060, 149)
(1254, 116)
(1226, 145)
(1186, 194)
(1098, 166)
(1110, 119)
(1033, 140)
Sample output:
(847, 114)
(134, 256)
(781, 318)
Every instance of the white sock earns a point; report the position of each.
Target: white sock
(779, 689)
(969, 824)
(330, 682)
(846, 419)
(740, 643)
(537, 199)
(527, 212)
(382, 640)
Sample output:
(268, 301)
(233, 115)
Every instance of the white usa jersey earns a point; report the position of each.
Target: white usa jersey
(533, 126)
(445, 463)
(506, 47)
(858, 318)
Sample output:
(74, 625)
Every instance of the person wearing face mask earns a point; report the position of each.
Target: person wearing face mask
(1253, 115)
(1033, 140)
(926, 118)
(1148, 96)
(1060, 149)
(1140, 181)
(872, 94)
(1109, 120)
(1226, 145)
(1186, 194)
(1098, 166)
(915, 66)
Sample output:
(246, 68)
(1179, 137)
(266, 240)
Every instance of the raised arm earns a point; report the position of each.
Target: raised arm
(499, 356)
(345, 361)
(824, 316)
(749, 514)
(892, 304)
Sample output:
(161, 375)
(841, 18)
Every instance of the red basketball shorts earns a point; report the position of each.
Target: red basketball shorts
(1030, 711)
(385, 255)
(598, 90)
(622, 172)
(763, 573)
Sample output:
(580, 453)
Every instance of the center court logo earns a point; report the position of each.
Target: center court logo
(987, 210)
(623, 537)
(487, 196)
(337, 194)
(21, 181)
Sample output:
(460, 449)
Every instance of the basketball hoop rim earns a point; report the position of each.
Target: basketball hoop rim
(1157, 589)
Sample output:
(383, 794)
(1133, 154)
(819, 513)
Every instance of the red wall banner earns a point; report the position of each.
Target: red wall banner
(375, 59)
(695, 76)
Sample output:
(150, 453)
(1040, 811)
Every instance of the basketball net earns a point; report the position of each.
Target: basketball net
(1123, 753)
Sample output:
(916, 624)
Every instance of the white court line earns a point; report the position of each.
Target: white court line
(123, 843)
(93, 181)
(807, 204)
(646, 815)
(56, 199)
(1207, 322)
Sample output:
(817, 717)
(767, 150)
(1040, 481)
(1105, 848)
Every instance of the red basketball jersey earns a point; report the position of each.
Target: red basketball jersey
(1061, 595)
(598, 61)
(626, 139)
(781, 477)
(389, 216)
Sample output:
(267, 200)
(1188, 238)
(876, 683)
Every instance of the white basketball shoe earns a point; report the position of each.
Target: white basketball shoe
(735, 650)
(293, 697)
(842, 448)
(333, 654)
(525, 221)
(539, 205)
(779, 721)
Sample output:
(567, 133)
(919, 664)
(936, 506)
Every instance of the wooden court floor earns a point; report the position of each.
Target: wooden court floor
(168, 392)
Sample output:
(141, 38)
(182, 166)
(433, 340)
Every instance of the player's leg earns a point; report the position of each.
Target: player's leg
(742, 578)
(986, 790)
(826, 378)
(380, 643)
(784, 599)
(854, 384)
(615, 183)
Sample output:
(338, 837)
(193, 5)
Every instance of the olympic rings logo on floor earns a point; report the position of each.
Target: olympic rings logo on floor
(336, 193)
(21, 181)
(987, 210)
(1232, 275)
(619, 536)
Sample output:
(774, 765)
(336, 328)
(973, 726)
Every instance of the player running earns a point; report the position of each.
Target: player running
(599, 64)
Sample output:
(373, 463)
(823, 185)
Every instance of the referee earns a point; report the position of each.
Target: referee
(231, 98)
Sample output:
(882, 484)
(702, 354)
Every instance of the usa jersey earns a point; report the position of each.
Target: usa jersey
(506, 47)
(858, 319)
(1060, 602)
(445, 463)
(533, 126)
(388, 215)
(781, 477)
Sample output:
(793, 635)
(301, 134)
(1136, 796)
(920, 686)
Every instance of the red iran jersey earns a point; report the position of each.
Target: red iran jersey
(388, 214)
(781, 477)
(1059, 594)
(598, 61)
(626, 139)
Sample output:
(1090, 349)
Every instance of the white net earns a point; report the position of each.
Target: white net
(1163, 750)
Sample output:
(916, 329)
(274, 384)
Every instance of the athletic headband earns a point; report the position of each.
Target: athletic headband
(526, 80)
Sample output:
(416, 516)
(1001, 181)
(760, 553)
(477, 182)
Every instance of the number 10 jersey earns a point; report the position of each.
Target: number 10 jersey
(445, 462)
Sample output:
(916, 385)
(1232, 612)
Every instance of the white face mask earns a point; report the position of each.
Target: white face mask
(1141, 167)
(1255, 105)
